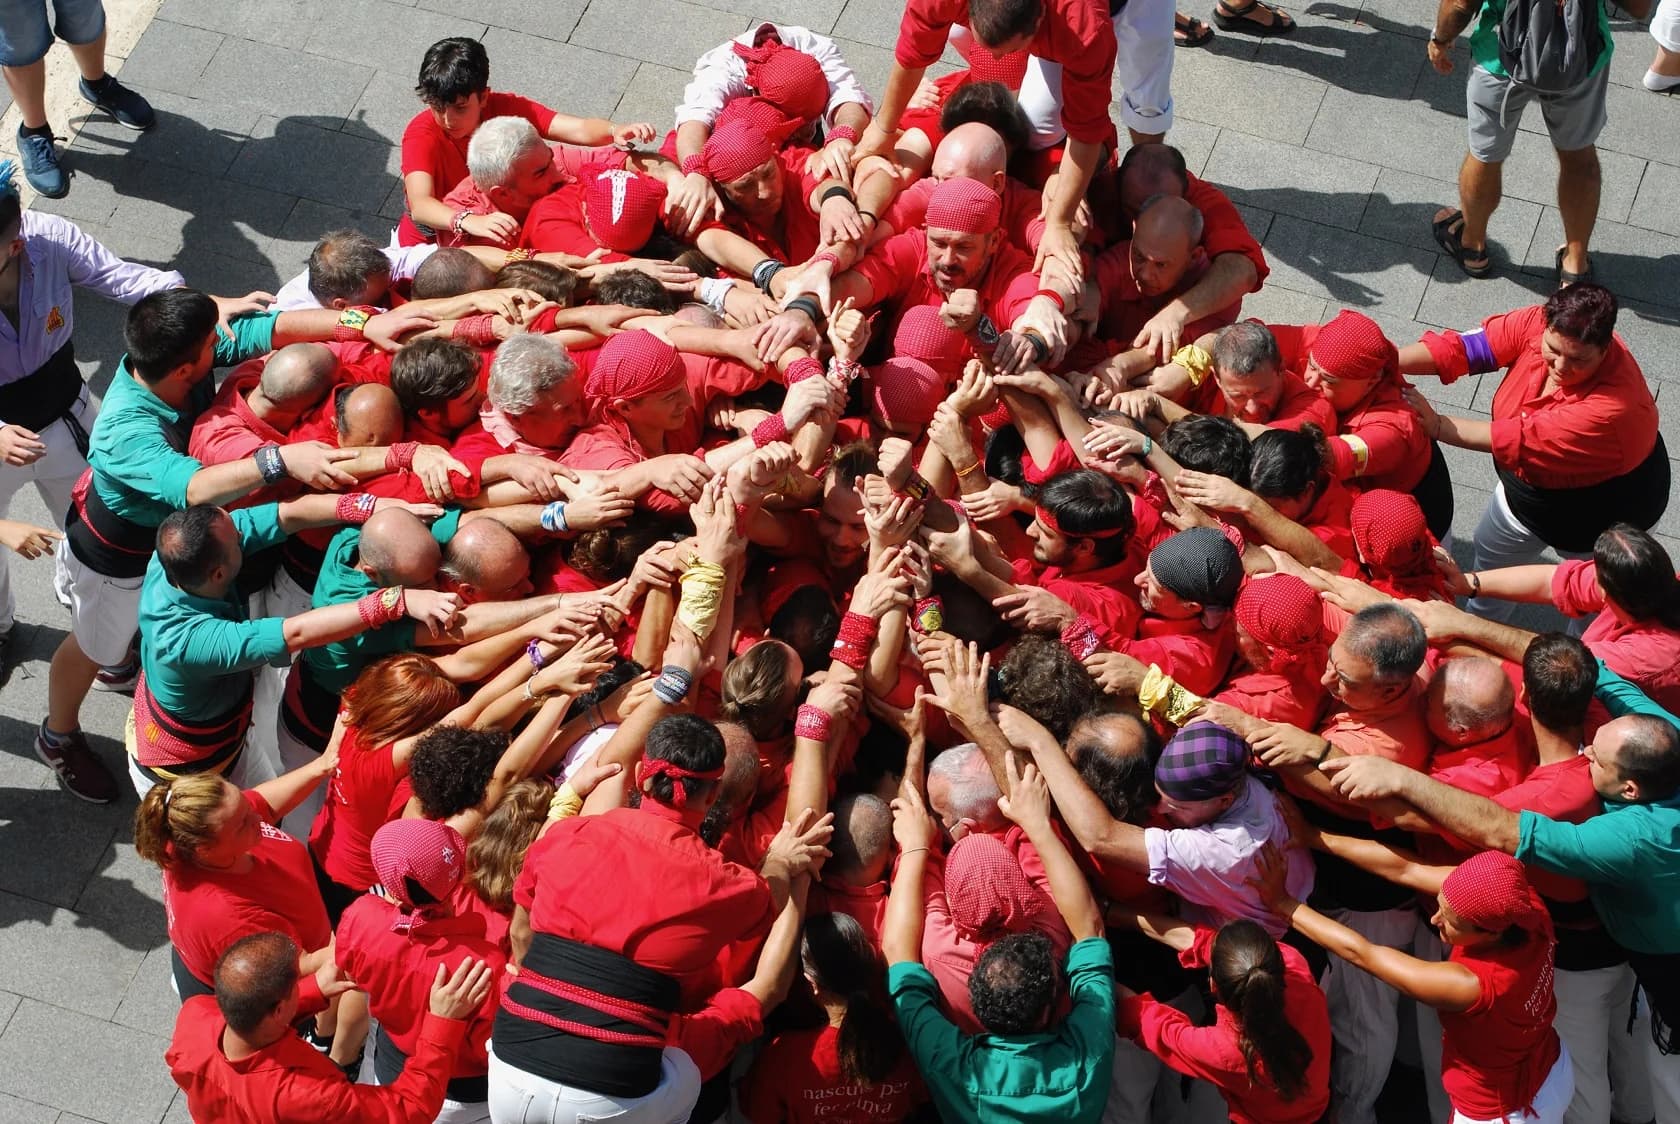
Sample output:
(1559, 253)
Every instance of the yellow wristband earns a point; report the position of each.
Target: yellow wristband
(566, 803)
(1196, 361)
(702, 597)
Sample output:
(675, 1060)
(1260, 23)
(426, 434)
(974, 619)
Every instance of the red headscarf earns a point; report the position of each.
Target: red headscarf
(1393, 538)
(921, 334)
(989, 894)
(1491, 891)
(735, 148)
(906, 391)
(762, 116)
(1282, 612)
(1010, 69)
(788, 78)
(965, 206)
(1352, 348)
(631, 365)
(622, 208)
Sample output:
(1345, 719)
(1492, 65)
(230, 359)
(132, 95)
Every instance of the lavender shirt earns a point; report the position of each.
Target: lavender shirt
(57, 257)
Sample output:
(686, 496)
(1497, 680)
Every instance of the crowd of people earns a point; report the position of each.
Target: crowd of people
(828, 612)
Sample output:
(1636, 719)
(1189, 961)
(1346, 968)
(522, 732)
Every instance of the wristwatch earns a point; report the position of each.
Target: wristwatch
(986, 332)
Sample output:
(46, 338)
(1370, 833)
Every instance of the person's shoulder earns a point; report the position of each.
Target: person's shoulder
(52, 228)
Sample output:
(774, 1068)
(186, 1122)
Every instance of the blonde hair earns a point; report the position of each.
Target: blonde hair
(497, 852)
(178, 818)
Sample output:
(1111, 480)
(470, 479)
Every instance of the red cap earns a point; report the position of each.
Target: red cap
(789, 79)
(1491, 891)
(1352, 347)
(921, 334)
(989, 894)
(734, 149)
(622, 208)
(633, 364)
(1280, 610)
(430, 853)
(906, 391)
(1392, 533)
(965, 206)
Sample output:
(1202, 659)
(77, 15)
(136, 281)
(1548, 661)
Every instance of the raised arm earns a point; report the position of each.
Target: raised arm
(1028, 804)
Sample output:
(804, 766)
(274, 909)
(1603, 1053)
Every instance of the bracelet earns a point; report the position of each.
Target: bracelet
(803, 368)
(1196, 362)
(915, 487)
(553, 517)
(841, 190)
(354, 508)
(596, 720)
(1080, 638)
(270, 464)
(845, 370)
(767, 432)
(401, 455)
(828, 256)
(478, 330)
(531, 696)
(713, 290)
(807, 305)
(459, 222)
(813, 723)
(1040, 346)
(673, 683)
(764, 271)
(870, 215)
(1323, 753)
(842, 132)
(1475, 583)
(929, 616)
(1148, 445)
(852, 643)
(693, 163)
(911, 851)
(383, 606)
(974, 466)
(519, 253)
(1053, 297)
(533, 652)
(352, 323)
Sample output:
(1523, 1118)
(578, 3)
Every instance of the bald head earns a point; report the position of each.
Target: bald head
(254, 979)
(1470, 699)
(399, 549)
(369, 415)
(488, 558)
(1164, 241)
(298, 375)
(973, 151)
(449, 272)
(862, 843)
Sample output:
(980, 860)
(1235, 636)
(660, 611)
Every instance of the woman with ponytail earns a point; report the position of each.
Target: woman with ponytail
(855, 1067)
(1268, 1051)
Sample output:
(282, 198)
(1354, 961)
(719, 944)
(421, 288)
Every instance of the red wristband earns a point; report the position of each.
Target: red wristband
(842, 132)
(803, 368)
(475, 331)
(857, 634)
(767, 432)
(400, 455)
(813, 723)
(1080, 638)
(693, 163)
(352, 322)
(828, 256)
(383, 606)
(355, 508)
(1052, 296)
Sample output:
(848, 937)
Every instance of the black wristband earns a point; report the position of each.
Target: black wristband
(269, 463)
(1040, 346)
(838, 189)
(764, 271)
(807, 305)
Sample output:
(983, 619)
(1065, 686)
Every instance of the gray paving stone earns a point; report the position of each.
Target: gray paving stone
(133, 1085)
(1657, 204)
(551, 19)
(295, 157)
(163, 206)
(95, 196)
(1275, 304)
(1454, 300)
(294, 83)
(191, 134)
(1641, 124)
(818, 15)
(150, 1003)
(178, 1113)
(281, 25)
(653, 95)
(1634, 48)
(1446, 397)
(1259, 222)
(377, 33)
(1274, 103)
(1195, 140)
(171, 56)
(1403, 206)
(16, 1111)
(1274, 177)
(1468, 504)
(1638, 264)
(306, 224)
(1329, 48)
(1395, 133)
(668, 32)
(1412, 18)
(870, 21)
(386, 106)
(1531, 173)
(872, 64)
(70, 960)
(1653, 334)
(392, 208)
(1470, 469)
(584, 82)
(8, 1007)
(1347, 269)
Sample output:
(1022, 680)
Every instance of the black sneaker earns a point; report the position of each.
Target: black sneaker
(126, 107)
(79, 771)
(39, 156)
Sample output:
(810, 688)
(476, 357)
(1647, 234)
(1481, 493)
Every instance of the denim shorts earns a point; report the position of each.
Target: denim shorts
(25, 36)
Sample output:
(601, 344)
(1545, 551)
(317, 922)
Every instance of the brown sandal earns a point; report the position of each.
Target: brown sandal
(1236, 19)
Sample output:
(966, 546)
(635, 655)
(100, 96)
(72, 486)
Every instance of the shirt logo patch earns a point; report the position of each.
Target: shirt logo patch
(55, 319)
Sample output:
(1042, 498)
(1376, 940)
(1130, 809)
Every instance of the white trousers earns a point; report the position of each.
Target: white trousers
(1612, 1080)
(1549, 1103)
(295, 755)
(1502, 540)
(1143, 67)
(1364, 1016)
(53, 475)
(517, 1097)
(104, 611)
(1144, 1090)
(1665, 25)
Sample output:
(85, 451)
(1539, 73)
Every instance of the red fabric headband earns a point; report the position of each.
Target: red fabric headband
(1352, 347)
(734, 149)
(1049, 520)
(650, 767)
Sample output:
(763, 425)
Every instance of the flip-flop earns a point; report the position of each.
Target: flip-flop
(1185, 33)
(1234, 19)
(1564, 277)
(1449, 231)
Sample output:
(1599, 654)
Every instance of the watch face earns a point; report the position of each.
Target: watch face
(986, 331)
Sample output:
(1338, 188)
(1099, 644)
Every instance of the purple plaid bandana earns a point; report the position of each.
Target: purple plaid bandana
(1202, 761)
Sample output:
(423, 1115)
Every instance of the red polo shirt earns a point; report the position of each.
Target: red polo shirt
(1104, 596)
(640, 883)
(1196, 657)
(1646, 653)
(867, 905)
(897, 272)
(797, 1080)
(362, 797)
(800, 231)
(1125, 309)
(1296, 695)
(1079, 34)
(291, 1081)
(397, 969)
(427, 148)
(1496, 1055)
(1397, 732)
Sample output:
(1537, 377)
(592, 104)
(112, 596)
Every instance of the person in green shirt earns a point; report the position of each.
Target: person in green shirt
(1026, 1067)
(199, 647)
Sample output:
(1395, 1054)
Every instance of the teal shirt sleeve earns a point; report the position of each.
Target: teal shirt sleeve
(446, 526)
(213, 645)
(258, 527)
(1603, 849)
(1090, 1023)
(940, 1049)
(1622, 698)
(253, 335)
(144, 462)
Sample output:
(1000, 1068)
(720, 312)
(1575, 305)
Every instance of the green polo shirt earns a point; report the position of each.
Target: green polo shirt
(333, 667)
(1629, 856)
(198, 652)
(135, 449)
(1061, 1075)
(1484, 37)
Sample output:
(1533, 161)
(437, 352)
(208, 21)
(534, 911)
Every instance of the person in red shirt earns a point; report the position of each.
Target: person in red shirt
(1245, 380)
(1283, 646)
(853, 880)
(258, 403)
(236, 1056)
(1268, 1050)
(853, 1068)
(1186, 591)
(1470, 707)
(1078, 34)
(1574, 434)
(611, 211)
(455, 85)
(975, 151)
(1393, 546)
(393, 940)
(511, 172)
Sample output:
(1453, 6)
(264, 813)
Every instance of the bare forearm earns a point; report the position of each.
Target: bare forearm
(901, 86)
(1079, 163)
(1518, 583)
(1228, 279)
(223, 483)
(1398, 866)
(1474, 819)
(901, 929)
(323, 626)
(1465, 433)
(1291, 538)
(1068, 888)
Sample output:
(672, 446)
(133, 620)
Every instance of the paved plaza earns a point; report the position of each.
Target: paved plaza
(280, 120)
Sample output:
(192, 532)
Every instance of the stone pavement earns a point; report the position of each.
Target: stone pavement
(278, 121)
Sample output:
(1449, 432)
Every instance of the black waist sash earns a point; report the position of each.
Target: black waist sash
(307, 708)
(388, 1063)
(46, 394)
(1659, 976)
(1571, 519)
(102, 540)
(216, 744)
(585, 1017)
